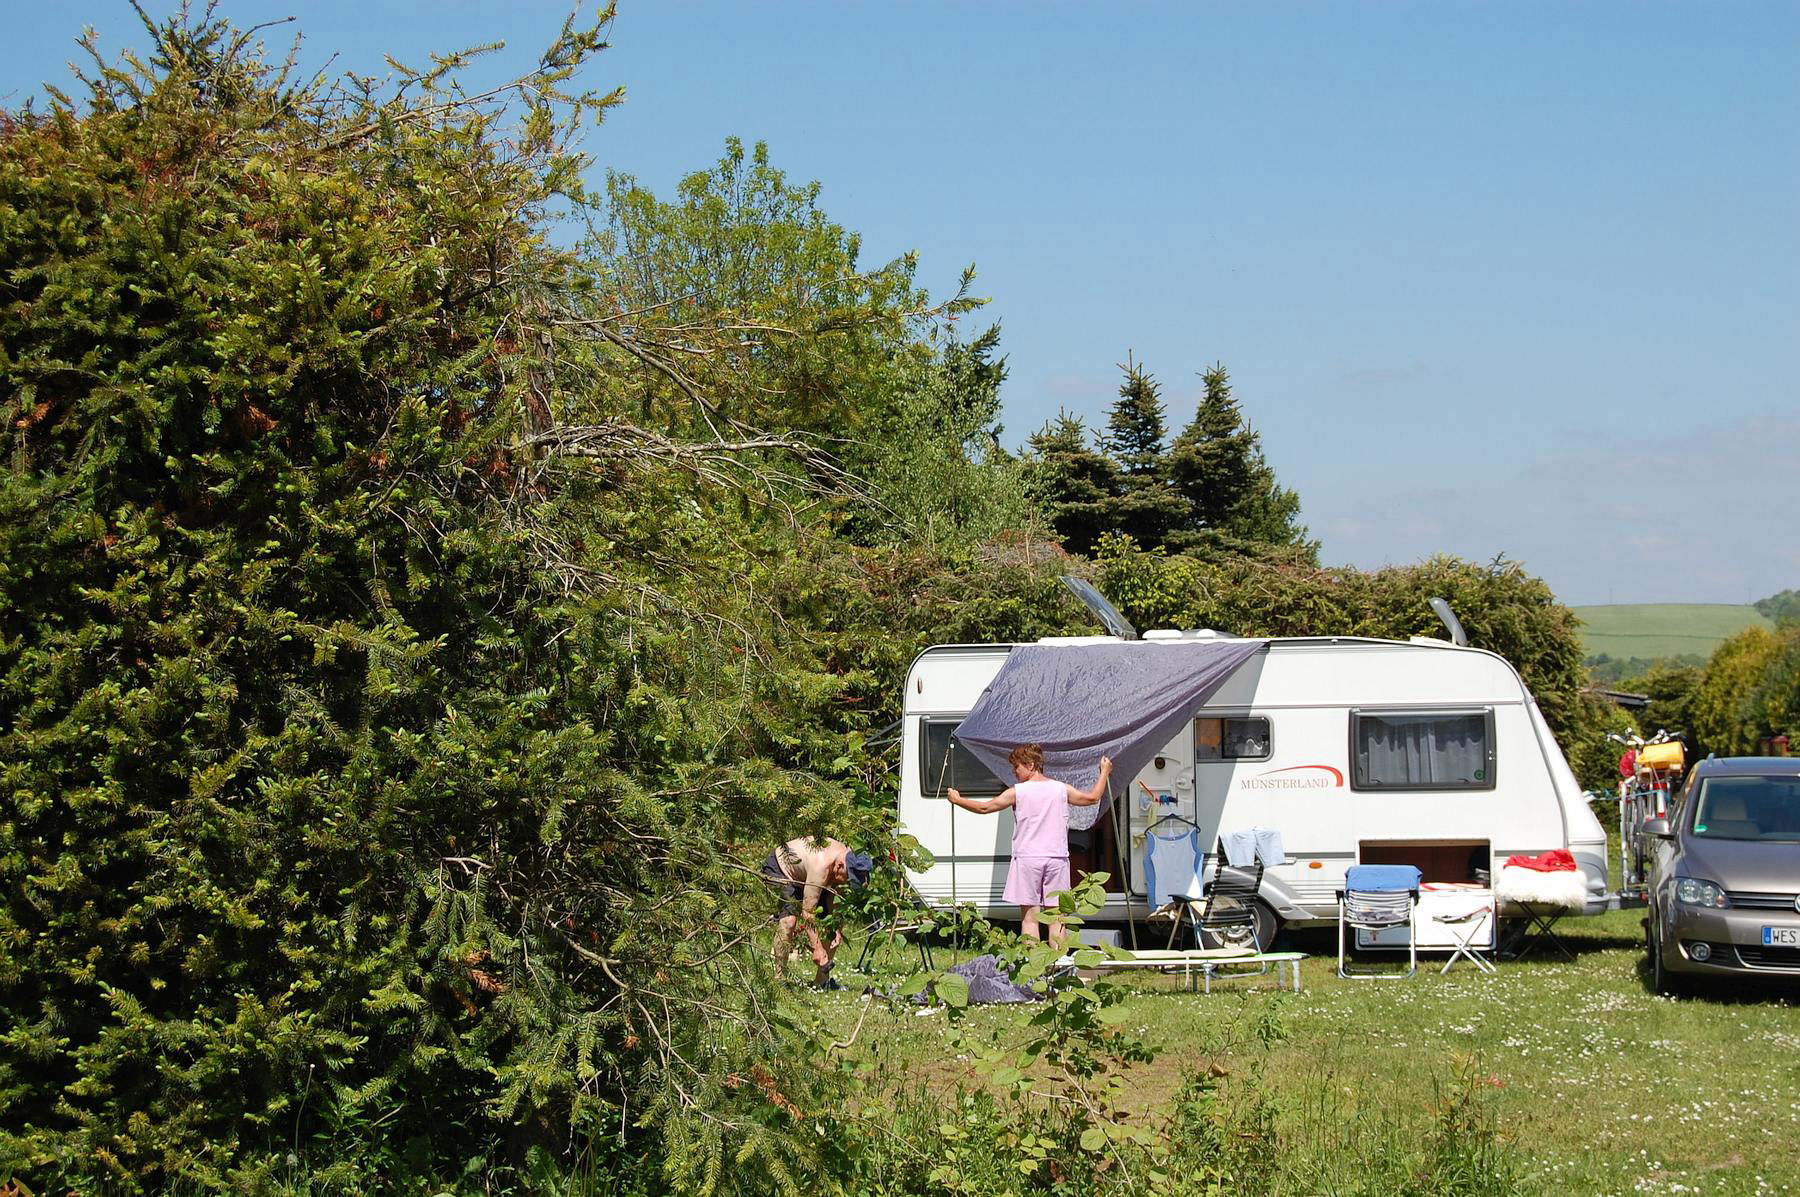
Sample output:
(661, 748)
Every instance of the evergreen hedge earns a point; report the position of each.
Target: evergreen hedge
(373, 795)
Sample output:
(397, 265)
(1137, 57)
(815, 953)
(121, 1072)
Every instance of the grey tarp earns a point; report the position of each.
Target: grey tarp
(1125, 700)
(988, 984)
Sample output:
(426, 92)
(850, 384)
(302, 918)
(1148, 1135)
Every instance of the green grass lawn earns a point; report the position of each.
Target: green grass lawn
(1598, 1085)
(1663, 629)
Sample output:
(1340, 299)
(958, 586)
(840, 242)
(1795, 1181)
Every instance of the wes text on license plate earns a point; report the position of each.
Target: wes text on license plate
(1781, 937)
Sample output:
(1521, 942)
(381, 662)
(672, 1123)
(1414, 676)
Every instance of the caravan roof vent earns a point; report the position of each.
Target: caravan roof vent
(1185, 634)
(1104, 611)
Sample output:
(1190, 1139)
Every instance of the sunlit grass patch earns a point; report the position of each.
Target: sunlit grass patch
(1591, 1083)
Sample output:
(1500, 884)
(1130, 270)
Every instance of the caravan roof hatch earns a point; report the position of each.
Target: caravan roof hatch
(1104, 611)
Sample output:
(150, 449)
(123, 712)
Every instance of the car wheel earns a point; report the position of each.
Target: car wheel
(1661, 980)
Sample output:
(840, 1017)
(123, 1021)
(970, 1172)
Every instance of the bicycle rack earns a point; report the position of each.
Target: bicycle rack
(1644, 795)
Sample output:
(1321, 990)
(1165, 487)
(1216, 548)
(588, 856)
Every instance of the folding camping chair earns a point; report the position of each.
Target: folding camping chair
(1467, 918)
(1378, 898)
(908, 922)
(1227, 914)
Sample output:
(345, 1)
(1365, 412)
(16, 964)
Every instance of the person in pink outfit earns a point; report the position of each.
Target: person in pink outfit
(1040, 847)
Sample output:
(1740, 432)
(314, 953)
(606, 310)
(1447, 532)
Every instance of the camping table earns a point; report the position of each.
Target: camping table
(1461, 918)
(1540, 929)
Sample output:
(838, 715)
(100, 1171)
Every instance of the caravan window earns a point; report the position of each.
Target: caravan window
(1422, 750)
(1231, 739)
(960, 769)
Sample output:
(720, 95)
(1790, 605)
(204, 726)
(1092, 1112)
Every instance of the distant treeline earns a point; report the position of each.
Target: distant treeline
(1734, 702)
(1781, 608)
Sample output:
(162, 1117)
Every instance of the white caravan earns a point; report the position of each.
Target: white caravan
(1299, 740)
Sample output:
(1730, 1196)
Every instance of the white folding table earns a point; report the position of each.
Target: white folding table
(1460, 917)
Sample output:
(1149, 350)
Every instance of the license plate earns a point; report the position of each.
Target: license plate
(1781, 937)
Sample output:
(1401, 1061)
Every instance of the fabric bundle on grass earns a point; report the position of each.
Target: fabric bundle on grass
(988, 984)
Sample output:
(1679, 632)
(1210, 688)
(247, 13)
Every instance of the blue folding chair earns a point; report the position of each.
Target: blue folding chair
(1378, 898)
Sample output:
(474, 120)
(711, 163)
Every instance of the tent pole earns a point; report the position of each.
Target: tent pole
(950, 812)
(955, 902)
(1119, 838)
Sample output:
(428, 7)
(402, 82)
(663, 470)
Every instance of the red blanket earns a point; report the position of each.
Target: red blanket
(1556, 860)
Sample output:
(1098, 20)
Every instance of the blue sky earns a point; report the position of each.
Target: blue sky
(1516, 279)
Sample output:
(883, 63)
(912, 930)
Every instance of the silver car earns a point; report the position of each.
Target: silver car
(1725, 878)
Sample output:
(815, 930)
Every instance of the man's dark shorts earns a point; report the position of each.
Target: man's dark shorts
(793, 893)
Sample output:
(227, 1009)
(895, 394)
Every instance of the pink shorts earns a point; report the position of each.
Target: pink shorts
(1030, 880)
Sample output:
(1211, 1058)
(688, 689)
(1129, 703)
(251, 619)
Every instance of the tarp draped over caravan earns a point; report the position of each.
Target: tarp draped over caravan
(1084, 701)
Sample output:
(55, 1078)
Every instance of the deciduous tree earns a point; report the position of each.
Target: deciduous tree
(821, 345)
(1720, 712)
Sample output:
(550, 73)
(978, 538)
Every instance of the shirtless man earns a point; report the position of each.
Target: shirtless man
(1040, 846)
(808, 872)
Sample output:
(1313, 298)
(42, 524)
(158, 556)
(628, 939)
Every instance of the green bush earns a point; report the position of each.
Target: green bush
(1503, 609)
(373, 789)
(1722, 710)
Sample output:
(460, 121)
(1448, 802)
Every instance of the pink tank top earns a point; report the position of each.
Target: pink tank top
(1040, 819)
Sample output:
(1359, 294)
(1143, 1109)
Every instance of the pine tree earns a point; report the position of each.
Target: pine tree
(1074, 483)
(1146, 507)
(1135, 429)
(1217, 466)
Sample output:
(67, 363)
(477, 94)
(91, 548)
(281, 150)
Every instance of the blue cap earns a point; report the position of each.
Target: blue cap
(859, 865)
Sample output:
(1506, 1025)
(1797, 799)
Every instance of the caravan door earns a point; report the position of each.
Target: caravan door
(1281, 770)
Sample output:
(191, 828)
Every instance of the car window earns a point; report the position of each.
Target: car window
(1748, 808)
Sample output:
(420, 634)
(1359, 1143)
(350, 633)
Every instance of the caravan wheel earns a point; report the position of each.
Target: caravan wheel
(1259, 938)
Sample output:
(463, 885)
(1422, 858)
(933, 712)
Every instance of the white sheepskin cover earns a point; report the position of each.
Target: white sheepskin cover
(1565, 889)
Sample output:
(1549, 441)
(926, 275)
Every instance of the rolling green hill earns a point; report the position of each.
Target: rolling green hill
(1650, 630)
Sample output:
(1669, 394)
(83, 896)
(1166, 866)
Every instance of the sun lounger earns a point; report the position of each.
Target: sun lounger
(1201, 966)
